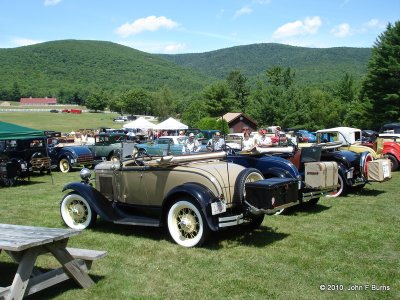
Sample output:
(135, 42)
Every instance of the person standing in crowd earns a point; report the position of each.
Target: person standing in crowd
(191, 145)
(216, 143)
(181, 137)
(263, 140)
(84, 138)
(248, 143)
(199, 134)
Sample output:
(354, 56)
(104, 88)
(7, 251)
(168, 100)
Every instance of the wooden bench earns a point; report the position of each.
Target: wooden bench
(87, 255)
(25, 243)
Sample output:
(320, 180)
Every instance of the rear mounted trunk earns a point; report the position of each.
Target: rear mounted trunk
(321, 175)
(379, 170)
(271, 194)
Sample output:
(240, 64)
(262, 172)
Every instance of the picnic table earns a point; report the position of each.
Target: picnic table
(25, 243)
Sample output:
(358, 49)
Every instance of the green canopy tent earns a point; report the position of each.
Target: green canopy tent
(10, 131)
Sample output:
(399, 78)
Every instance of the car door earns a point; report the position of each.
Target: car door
(132, 187)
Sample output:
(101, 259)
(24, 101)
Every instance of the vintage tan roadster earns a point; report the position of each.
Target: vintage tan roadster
(192, 195)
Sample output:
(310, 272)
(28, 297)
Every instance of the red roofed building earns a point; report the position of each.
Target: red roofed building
(38, 101)
(237, 122)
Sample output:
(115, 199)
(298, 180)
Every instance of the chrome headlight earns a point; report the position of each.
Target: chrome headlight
(85, 174)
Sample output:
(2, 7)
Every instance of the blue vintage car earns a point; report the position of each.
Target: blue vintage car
(164, 145)
(67, 157)
(306, 136)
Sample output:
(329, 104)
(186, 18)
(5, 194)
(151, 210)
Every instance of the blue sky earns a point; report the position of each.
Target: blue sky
(193, 26)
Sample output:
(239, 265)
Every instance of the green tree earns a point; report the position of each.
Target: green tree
(209, 123)
(116, 104)
(218, 98)
(237, 83)
(278, 76)
(164, 105)
(76, 98)
(15, 93)
(346, 89)
(194, 112)
(381, 86)
(137, 101)
(97, 101)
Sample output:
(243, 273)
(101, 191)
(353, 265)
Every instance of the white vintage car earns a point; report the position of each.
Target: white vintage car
(344, 138)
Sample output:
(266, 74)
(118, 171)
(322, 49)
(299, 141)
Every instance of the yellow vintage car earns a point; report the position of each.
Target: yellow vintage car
(347, 138)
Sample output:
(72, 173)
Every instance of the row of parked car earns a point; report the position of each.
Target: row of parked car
(194, 195)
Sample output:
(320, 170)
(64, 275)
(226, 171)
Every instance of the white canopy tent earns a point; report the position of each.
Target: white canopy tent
(139, 123)
(171, 124)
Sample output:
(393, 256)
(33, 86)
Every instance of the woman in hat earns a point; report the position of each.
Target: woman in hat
(191, 145)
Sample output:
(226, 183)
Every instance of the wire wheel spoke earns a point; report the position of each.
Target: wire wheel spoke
(188, 223)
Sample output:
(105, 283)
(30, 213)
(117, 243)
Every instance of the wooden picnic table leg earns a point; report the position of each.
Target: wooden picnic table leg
(21, 278)
(70, 265)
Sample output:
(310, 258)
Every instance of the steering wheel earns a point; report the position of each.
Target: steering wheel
(142, 155)
(229, 150)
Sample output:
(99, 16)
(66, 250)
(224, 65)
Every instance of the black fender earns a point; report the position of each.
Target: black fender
(277, 172)
(37, 155)
(100, 204)
(199, 193)
(66, 155)
(343, 171)
(21, 171)
(365, 157)
(115, 152)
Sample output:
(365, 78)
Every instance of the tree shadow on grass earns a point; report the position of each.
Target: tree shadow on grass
(8, 270)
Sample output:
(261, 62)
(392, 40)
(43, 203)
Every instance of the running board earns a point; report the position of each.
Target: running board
(137, 220)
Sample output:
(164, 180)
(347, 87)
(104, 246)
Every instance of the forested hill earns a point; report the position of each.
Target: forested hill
(65, 67)
(51, 67)
(311, 65)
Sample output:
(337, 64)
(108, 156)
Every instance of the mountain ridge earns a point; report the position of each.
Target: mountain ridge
(51, 68)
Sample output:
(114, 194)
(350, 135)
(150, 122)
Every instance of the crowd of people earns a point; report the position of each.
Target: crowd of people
(192, 142)
(217, 142)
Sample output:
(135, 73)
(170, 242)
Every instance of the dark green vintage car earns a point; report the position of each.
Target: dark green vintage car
(107, 146)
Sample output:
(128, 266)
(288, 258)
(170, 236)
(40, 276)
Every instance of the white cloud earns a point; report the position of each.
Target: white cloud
(150, 47)
(151, 23)
(342, 30)
(51, 2)
(173, 48)
(18, 42)
(375, 23)
(309, 25)
(245, 10)
(262, 2)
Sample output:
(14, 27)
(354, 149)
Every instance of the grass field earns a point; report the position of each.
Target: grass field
(63, 122)
(351, 241)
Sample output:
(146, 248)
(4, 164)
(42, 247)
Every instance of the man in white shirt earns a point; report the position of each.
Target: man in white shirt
(191, 145)
(217, 143)
(263, 140)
